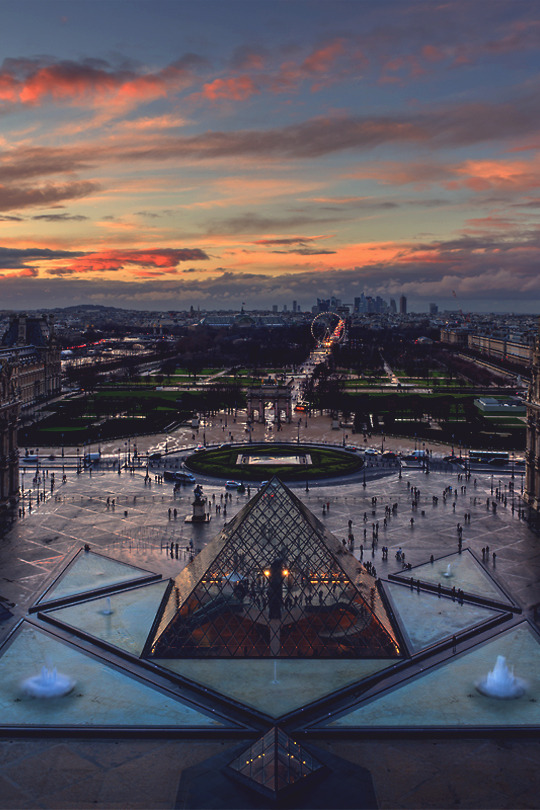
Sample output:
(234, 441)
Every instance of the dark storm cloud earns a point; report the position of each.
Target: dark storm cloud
(442, 126)
(60, 217)
(14, 197)
(15, 258)
(305, 251)
(254, 223)
(25, 163)
(291, 240)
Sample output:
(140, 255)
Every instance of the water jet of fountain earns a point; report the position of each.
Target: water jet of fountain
(48, 684)
(275, 672)
(448, 572)
(107, 611)
(501, 682)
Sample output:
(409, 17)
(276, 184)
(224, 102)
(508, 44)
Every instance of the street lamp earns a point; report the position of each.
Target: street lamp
(298, 433)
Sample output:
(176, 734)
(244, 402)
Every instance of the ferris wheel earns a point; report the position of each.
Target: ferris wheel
(327, 329)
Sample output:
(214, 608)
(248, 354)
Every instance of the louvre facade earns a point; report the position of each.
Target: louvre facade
(532, 488)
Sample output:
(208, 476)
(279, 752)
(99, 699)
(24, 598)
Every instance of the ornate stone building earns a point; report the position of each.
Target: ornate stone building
(9, 418)
(30, 344)
(532, 487)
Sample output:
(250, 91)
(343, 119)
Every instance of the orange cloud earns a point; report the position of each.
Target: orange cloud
(476, 175)
(31, 82)
(323, 58)
(166, 259)
(237, 88)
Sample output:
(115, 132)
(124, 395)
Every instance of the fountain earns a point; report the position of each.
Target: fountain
(448, 572)
(48, 684)
(501, 682)
(107, 611)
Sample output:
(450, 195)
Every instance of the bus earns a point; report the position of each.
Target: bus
(489, 456)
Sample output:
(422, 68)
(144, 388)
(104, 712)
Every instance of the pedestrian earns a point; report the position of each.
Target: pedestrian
(454, 644)
(494, 557)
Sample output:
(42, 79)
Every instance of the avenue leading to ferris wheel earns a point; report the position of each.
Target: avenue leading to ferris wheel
(328, 328)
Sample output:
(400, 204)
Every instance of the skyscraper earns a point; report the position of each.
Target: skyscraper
(402, 304)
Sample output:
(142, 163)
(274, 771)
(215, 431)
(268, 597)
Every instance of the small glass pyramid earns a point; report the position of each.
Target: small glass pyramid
(274, 764)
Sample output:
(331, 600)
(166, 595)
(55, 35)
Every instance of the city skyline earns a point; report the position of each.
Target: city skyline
(173, 154)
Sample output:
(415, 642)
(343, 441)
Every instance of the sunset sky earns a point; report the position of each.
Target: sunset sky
(158, 155)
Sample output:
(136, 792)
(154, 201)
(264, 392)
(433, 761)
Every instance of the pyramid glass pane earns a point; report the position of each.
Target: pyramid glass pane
(459, 570)
(102, 695)
(275, 691)
(427, 619)
(275, 583)
(89, 571)
(122, 619)
(446, 695)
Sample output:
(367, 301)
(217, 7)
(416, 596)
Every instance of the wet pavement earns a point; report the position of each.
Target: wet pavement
(138, 529)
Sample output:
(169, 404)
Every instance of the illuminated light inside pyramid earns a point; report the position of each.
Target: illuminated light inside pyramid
(274, 583)
(274, 763)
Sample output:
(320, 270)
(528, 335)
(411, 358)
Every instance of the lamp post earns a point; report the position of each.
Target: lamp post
(298, 432)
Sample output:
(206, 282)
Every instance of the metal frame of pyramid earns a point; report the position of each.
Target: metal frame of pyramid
(274, 583)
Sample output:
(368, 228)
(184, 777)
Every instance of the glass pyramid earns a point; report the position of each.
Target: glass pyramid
(274, 583)
(274, 763)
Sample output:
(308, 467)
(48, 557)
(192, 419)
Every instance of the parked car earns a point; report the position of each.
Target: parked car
(232, 484)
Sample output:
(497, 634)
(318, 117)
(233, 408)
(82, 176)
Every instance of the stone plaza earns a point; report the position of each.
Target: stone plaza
(140, 523)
